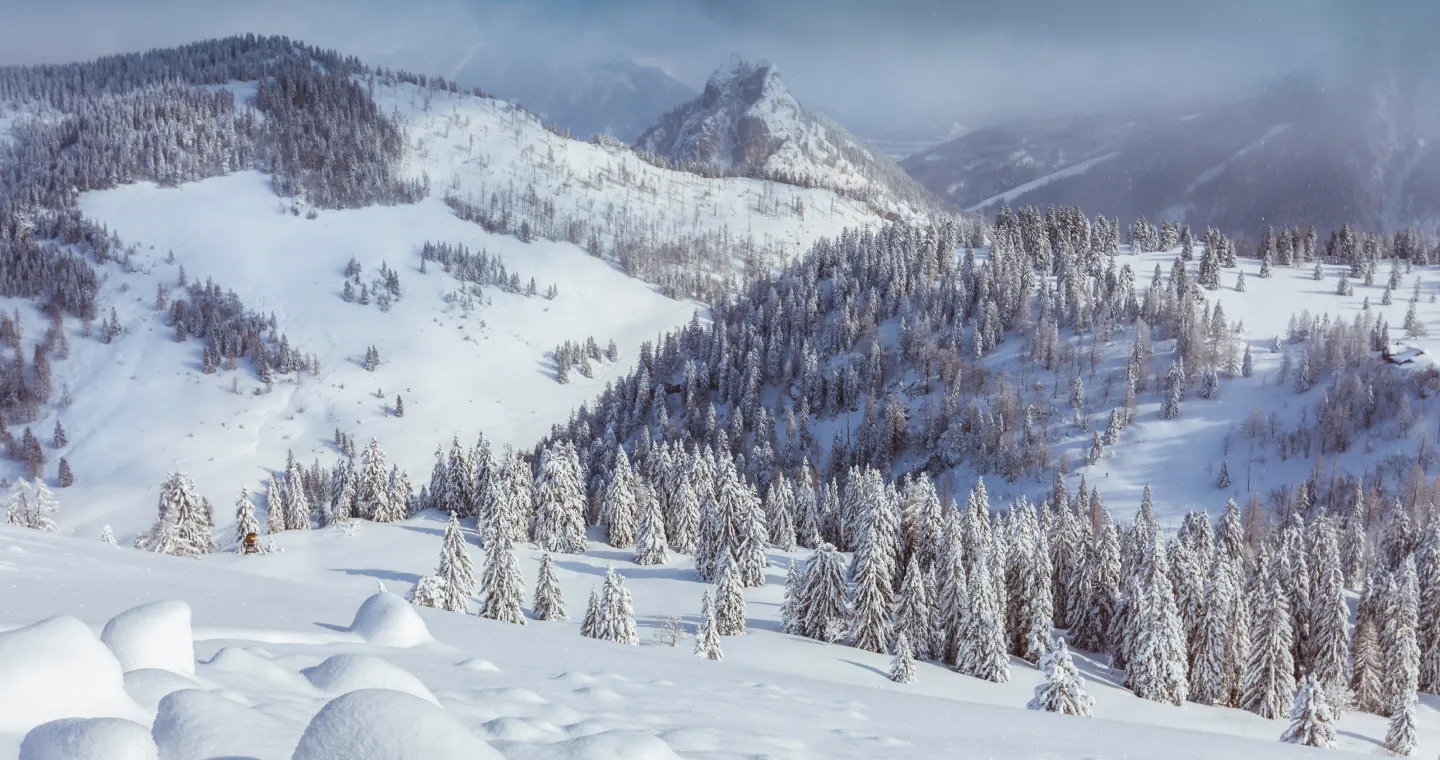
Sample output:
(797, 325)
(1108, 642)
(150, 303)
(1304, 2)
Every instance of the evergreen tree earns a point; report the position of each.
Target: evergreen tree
(618, 505)
(1366, 669)
(1327, 642)
(107, 536)
(1311, 719)
(707, 638)
(1155, 651)
(590, 624)
(183, 526)
(64, 476)
(58, 439)
(1270, 671)
(1400, 736)
(823, 612)
(616, 620)
(1210, 670)
(245, 522)
(650, 546)
(559, 500)
(790, 608)
(502, 589)
(873, 570)
(982, 636)
(729, 599)
(902, 668)
(275, 507)
(911, 616)
(373, 489)
(1063, 690)
(1401, 650)
(455, 569)
(549, 603)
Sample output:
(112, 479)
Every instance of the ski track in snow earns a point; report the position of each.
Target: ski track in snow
(1020, 190)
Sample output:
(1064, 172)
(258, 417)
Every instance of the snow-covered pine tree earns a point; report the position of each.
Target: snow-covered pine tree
(275, 508)
(1210, 669)
(873, 569)
(560, 502)
(590, 624)
(1327, 645)
(1063, 690)
(396, 503)
(707, 638)
(44, 509)
(684, 530)
(982, 632)
(502, 590)
(822, 612)
(183, 525)
(1156, 666)
(245, 522)
(455, 569)
(429, 592)
(1427, 569)
(902, 668)
(1400, 736)
(790, 608)
(1367, 670)
(1269, 683)
(650, 544)
(518, 495)
(729, 599)
(779, 511)
(1311, 719)
(373, 488)
(911, 615)
(1401, 650)
(1102, 581)
(549, 603)
(618, 504)
(616, 621)
(107, 536)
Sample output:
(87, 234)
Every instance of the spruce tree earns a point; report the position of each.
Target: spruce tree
(1367, 670)
(729, 599)
(911, 615)
(1063, 690)
(982, 637)
(455, 569)
(559, 501)
(616, 620)
(275, 507)
(1327, 642)
(107, 536)
(707, 638)
(183, 526)
(1311, 719)
(650, 545)
(502, 589)
(872, 573)
(902, 668)
(1269, 684)
(684, 531)
(618, 505)
(823, 612)
(1155, 665)
(790, 607)
(245, 522)
(1428, 634)
(590, 624)
(548, 603)
(1401, 650)
(1210, 669)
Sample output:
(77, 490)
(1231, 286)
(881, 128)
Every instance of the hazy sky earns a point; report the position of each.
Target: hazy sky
(872, 64)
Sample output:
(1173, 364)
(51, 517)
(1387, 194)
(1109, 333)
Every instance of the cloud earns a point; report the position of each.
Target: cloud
(874, 64)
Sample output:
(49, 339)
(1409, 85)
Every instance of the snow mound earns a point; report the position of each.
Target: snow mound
(389, 621)
(254, 668)
(520, 730)
(349, 672)
(147, 686)
(480, 665)
(57, 668)
(379, 724)
(154, 635)
(88, 739)
(607, 745)
(198, 724)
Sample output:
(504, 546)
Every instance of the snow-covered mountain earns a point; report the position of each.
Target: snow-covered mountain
(1309, 150)
(287, 258)
(615, 97)
(748, 122)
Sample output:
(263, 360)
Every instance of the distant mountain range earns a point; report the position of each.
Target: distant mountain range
(1310, 150)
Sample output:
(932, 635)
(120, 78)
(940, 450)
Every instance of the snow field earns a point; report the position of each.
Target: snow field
(543, 691)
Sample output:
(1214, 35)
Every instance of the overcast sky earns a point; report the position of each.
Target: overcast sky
(870, 63)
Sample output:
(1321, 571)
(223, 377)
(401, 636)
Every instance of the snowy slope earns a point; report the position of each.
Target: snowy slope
(748, 121)
(497, 378)
(543, 691)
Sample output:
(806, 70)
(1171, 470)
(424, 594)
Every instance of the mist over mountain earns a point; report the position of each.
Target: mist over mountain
(615, 97)
(1317, 148)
